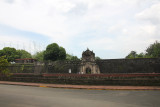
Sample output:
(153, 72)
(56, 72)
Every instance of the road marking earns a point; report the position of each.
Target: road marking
(43, 86)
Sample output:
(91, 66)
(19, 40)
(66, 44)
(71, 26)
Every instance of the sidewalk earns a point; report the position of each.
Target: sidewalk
(82, 86)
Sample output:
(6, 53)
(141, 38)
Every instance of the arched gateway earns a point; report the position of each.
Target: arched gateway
(88, 70)
(88, 63)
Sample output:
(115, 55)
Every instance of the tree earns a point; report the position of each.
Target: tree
(9, 53)
(53, 52)
(23, 54)
(141, 55)
(97, 58)
(62, 53)
(4, 65)
(12, 54)
(132, 54)
(71, 57)
(39, 56)
(153, 50)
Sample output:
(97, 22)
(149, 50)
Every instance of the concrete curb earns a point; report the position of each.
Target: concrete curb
(88, 87)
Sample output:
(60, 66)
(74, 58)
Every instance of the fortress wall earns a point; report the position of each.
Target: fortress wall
(62, 67)
(139, 65)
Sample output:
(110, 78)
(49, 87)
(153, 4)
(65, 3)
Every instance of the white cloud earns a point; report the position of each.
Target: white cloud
(116, 25)
(19, 42)
(13, 41)
(152, 14)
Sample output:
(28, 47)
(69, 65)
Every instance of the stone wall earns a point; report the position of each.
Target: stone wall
(63, 67)
(139, 65)
(87, 79)
(21, 68)
(145, 65)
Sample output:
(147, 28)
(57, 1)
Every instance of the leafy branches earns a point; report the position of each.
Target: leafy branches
(4, 65)
(153, 51)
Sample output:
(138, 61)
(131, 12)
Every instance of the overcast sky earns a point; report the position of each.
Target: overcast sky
(111, 28)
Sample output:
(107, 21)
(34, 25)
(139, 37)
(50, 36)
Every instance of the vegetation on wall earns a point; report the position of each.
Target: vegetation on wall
(3, 65)
(153, 51)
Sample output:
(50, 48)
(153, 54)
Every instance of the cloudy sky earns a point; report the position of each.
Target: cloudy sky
(111, 28)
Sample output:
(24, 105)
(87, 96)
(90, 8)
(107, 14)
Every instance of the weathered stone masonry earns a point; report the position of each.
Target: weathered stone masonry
(140, 65)
(88, 64)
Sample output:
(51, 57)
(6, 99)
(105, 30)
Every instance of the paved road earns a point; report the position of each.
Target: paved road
(27, 96)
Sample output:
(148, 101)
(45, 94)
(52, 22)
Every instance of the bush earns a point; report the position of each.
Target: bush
(4, 65)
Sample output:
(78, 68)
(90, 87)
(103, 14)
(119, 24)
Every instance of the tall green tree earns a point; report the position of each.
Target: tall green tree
(23, 54)
(54, 52)
(39, 56)
(62, 53)
(153, 50)
(9, 53)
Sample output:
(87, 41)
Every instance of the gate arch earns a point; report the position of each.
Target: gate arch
(88, 70)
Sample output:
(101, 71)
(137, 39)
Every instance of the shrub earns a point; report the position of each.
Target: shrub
(4, 65)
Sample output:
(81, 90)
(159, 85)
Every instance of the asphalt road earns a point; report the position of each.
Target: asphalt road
(27, 96)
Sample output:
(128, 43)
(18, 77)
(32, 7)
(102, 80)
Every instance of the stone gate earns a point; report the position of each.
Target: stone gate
(88, 64)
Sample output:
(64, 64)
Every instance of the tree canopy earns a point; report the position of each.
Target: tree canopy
(39, 56)
(132, 54)
(153, 51)
(97, 58)
(54, 52)
(11, 54)
(62, 53)
(23, 54)
(71, 57)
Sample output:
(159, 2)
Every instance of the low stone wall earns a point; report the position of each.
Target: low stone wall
(90, 79)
